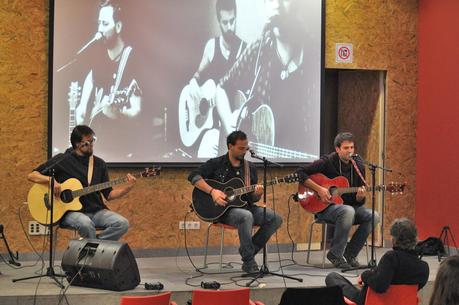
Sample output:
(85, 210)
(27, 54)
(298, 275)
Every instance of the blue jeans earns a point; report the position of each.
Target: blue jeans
(113, 223)
(244, 220)
(343, 217)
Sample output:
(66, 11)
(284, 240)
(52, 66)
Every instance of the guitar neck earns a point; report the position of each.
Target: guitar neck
(71, 120)
(347, 190)
(270, 151)
(101, 186)
(251, 188)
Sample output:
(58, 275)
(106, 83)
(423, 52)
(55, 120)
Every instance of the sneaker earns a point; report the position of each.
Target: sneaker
(351, 260)
(250, 267)
(338, 262)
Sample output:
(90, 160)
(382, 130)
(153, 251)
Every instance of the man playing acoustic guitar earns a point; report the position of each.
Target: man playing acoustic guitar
(111, 97)
(223, 169)
(341, 163)
(75, 163)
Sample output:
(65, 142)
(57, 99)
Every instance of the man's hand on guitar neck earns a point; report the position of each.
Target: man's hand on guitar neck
(123, 190)
(360, 193)
(258, 190)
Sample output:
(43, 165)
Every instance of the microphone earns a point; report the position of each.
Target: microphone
(252, 153)
(96, 37)
(354, 156)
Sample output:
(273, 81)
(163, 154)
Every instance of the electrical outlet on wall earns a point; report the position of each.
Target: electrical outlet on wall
(36, 228)
(189, 225)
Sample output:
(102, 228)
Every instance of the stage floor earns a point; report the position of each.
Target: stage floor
(175, 272)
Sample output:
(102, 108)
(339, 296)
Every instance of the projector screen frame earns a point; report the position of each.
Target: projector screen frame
(175, 164)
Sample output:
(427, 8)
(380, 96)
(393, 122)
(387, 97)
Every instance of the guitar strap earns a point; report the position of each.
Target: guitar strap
(359, 173)
(90, 169)
(246, 173)
(121, 66)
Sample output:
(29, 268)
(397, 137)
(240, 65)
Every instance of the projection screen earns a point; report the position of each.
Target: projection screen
(167, 80)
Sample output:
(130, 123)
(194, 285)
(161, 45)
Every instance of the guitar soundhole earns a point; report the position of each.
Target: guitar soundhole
(66, 196)
(230, 198)
(203, 111)
(203, 106)
(332, 191)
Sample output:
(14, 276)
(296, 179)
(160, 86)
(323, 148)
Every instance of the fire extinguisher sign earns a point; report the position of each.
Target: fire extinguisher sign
(344, 53)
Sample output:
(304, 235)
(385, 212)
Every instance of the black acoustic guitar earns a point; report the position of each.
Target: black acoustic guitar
(208, 210)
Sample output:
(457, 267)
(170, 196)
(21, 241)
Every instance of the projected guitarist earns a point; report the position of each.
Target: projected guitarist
(341, 163)
(111, 97)
(75, 163)
(272, 71)
(223, 169)
(195, 111)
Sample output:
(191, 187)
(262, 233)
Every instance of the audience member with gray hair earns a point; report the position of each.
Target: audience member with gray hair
(446, 288)
(396, 267)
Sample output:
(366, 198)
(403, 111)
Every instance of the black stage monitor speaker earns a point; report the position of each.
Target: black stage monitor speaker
(100, 264)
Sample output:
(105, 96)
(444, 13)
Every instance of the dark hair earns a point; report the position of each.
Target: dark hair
(234, 137)
(341, 137)
(446, 287)
(79, 132)
(117, 12)
(225, 5)
(404, 233)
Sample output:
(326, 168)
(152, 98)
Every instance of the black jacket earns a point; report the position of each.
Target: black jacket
(331, 166)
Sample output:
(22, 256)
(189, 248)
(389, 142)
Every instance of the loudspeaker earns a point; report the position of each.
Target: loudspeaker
(100, 264)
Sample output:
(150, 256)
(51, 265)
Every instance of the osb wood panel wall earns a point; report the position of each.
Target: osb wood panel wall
(384, 37)
(359, 112)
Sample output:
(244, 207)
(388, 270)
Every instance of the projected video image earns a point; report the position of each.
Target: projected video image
(168, 80)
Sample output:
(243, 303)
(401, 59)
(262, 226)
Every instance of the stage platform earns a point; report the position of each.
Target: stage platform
(175, 271)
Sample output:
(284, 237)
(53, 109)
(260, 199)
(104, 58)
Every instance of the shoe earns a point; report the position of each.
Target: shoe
(351, 260)
(250, 267)
(338, 262)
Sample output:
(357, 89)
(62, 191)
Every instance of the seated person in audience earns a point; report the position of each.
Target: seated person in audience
(400, 266)
(446, 287)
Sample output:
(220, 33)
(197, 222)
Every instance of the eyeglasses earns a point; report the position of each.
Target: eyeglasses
(87, 143)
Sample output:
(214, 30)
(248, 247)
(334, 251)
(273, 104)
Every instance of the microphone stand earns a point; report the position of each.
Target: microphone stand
(13, 257)
(373, 167)
(96, 37)
(49, 203)
(264, 267)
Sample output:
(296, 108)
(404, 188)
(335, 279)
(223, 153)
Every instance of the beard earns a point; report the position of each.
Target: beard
(240, 158)
(230, 37)
(87, 153)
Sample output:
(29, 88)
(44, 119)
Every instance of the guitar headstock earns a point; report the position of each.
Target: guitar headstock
(396, 188)
(74, 94)
(151, 172)
(291, 178)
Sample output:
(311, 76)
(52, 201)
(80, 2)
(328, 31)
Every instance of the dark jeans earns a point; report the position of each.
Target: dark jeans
(244, 220)
(349, 290)
(343, 217)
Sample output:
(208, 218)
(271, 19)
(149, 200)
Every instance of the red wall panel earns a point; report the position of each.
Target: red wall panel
(437, 156)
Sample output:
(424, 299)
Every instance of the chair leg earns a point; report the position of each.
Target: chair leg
(221, 247)
(310, 241)
(366, 250)
(324, 239)
(207, 245)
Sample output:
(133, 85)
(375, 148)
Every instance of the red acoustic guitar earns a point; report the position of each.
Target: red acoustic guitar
(311, 202)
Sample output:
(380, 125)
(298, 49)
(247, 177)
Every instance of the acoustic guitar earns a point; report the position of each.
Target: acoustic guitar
(69, 199)
(311, 201)
(208, 210)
